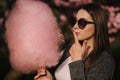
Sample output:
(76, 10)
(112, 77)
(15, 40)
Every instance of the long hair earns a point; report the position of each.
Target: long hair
(101, 36)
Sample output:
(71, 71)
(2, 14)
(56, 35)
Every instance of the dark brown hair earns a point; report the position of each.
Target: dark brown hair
(101, 37)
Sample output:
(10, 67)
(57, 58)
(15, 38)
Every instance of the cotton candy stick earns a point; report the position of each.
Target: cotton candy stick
(33, 36)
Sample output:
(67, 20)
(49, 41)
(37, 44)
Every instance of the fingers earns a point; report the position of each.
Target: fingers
(41, 72)
(42, 69)
(75, 38)
(43, 75)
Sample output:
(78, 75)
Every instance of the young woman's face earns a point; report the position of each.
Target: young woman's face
(84, 27)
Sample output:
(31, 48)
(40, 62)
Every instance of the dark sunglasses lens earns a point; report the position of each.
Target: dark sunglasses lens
(81, 23)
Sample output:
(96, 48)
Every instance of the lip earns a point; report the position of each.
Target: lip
(77, 33)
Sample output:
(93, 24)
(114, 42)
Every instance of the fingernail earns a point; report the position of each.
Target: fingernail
(41, 70)
(43, 73)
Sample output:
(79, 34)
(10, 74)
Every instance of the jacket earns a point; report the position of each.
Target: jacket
(101, 70)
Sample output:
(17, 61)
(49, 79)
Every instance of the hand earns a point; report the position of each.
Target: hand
(78, 51)
(43, 74)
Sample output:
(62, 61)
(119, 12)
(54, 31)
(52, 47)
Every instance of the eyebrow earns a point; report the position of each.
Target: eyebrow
(77, 18)
(84, 19)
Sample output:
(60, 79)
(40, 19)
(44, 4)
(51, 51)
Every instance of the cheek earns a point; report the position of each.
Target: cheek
(88, 32)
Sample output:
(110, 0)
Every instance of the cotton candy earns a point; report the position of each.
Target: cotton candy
(33, 36)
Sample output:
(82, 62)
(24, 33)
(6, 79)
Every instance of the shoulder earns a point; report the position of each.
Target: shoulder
(106, 57)
(105, 60)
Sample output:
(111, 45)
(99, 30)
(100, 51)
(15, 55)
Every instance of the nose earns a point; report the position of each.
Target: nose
(75, 27)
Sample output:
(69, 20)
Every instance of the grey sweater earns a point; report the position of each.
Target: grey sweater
(101, 70)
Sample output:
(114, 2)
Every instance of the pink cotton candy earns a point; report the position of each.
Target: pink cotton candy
(33, 36)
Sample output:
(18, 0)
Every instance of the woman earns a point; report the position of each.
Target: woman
(88, 58)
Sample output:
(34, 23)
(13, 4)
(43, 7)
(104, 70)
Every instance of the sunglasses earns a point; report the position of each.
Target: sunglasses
(82, 23)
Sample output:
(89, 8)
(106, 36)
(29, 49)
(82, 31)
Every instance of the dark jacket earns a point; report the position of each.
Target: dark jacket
(101, 70)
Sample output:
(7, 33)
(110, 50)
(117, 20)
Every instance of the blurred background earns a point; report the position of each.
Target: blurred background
(64, 12)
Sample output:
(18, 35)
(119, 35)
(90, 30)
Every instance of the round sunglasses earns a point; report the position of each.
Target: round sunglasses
(82, 23)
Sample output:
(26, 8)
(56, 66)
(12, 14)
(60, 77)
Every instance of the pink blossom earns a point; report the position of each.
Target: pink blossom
(112, 39)
(111, 8)
(116, 23)
(71, 2)
(114, 20)
(1, 21)
(114, 30)
(63, 19)
(61, 2)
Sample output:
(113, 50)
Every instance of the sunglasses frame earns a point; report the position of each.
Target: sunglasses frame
(83, 23)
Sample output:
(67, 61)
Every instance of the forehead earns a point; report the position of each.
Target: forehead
(83, 14)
